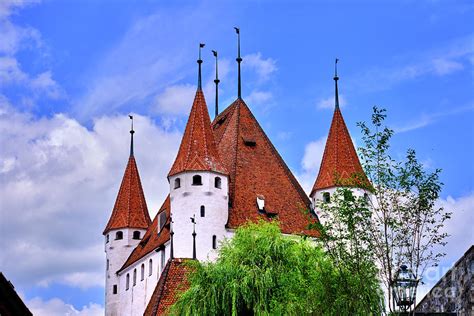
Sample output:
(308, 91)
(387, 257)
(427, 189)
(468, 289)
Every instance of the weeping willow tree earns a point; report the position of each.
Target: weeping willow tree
(261, 272)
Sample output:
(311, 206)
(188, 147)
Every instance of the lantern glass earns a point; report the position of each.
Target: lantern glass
(403, 287)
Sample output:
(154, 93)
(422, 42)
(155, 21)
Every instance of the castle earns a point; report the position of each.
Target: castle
(226, 172)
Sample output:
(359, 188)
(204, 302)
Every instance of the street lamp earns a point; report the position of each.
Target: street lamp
(404, 288)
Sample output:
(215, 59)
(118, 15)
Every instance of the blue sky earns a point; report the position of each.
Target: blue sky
(71, 71)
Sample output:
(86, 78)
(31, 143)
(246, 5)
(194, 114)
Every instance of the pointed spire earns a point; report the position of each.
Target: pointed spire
(239, 60)
(199, 61)
(131, 136)
(198, 151)
(130, 209)
(216, 81)
(336, 78)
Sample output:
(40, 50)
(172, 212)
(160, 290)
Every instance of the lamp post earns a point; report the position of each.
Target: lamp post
(404, 288)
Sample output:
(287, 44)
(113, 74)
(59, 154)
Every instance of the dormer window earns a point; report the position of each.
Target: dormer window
(161, 220)
(326, 197)
(217, 182)
(261, 203)
(118, 235)
(197, 180)
(177, 183)
(136, 234)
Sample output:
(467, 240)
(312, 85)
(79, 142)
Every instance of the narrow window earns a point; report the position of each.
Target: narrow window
(217, 182)
(107, 264)
(197, 180)
(177, 183)
(366, 197)
(150, 267)
(162, 260)
(214, 242)
(118, 235)
(203, 211)
(134, 277)
(114, 291)
(142, 272)
(127, 282)
(326, 197)
(107, 238)
(136, 234)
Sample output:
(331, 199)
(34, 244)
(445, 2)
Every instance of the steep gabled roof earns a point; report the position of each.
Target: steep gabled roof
(340, 165)
(130, 210)
(173, 280)
(256, 169)
(198, 150)
(152, 239)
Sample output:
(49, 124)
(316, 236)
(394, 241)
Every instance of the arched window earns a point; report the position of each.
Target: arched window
(134, 277)
(162, 260)
(114, 289)
(197, 180)
(107, 264)
(214, 242)
(118, 235)
(366, 197)
(127, 282)
(150, 267)
(142, 272)
(177, 183)
(136, 234)
(107, 238)
(218, 182)
(203, 211)
(326, 197)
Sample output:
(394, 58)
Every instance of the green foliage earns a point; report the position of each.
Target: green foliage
(262, 272)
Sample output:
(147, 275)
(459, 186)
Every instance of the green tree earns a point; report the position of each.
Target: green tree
(406, 226)
(262, 272)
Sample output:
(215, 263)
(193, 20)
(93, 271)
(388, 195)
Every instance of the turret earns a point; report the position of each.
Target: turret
(340, 165)
(125, 228)
(198, 186)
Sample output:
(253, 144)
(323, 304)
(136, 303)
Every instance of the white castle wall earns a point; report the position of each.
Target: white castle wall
(133, 301)
(117, 252)
(318, 197)
(186, 202)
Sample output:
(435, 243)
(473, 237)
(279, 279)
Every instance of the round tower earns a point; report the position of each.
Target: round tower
(125, 228)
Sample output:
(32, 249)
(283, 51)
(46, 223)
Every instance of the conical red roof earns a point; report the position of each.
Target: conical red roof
(130, 210)
(198, 151)
(340, 165)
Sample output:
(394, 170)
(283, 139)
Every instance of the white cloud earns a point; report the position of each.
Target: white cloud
(175, 100)
(443, 66)
(257, 97)
(56, 307)
(459, 227)
(329, 103)
(59, 181)
(313, 154)
(264, 68)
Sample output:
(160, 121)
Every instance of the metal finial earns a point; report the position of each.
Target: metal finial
(199, 61)
(239, 60)
(171, 237)
(216, 81)
(336, 78)
(193, 220)
(131, 136)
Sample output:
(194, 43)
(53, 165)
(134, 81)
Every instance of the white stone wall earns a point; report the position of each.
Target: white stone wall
(117, 252)
(318, 196)
(186, 202)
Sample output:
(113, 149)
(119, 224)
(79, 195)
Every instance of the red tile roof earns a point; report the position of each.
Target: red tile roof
(130, 210)
(256, 168)
(173, 280)
(151, 240)
(340, 164)
(198, 150)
